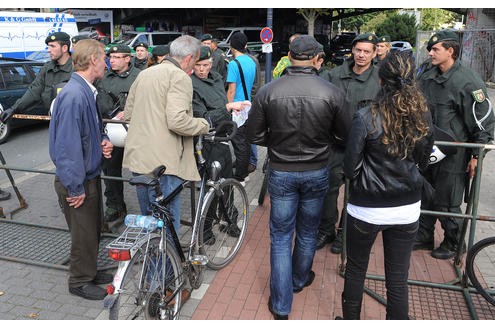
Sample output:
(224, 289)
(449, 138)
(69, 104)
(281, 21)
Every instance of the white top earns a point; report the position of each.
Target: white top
(405, 214)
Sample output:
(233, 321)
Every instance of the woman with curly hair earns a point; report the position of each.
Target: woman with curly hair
(389, 143)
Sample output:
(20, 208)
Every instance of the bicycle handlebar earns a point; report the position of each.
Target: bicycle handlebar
(212, 137)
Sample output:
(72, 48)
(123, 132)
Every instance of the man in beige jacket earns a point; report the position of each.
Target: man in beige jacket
(162, 126)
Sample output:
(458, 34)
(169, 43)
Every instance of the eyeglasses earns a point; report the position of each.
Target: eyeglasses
(116, 57)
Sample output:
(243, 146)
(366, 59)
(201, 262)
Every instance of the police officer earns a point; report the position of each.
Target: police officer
(383, 47)
(112, 93)
(54, 72)
(358, 78)
(158, 54)
(141, 57)
(219, 64)
(458, 101)
(78, 38)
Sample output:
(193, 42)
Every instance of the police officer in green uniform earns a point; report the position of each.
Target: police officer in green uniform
(218, 56)
(210, 102)
(141, 56)
(112, 93)
(158, 54)
(358, 78)
(78, 38)
(383, 47)
(458, 101)
(43, 89)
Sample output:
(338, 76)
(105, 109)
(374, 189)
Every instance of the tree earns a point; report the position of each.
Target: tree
(355, 23)
(310, 15)
(399, 27)
(435, 18)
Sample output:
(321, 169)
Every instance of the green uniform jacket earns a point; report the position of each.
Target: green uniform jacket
(140, 64)
(324, 74)
(209, 98)
(113, 89)
(42, 89)
(219, 63)
(360, 90)
(450, 99)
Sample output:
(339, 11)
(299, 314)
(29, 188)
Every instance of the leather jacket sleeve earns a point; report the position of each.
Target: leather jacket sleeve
(353, 159)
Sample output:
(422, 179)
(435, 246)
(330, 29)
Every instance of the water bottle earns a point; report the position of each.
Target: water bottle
(142, 221)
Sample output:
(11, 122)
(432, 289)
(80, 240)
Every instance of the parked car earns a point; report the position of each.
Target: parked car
(15, 77)
(152, 39)
(41, 56)
(401, 46)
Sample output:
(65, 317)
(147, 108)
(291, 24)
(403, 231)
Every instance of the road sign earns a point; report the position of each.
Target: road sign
(266, 35)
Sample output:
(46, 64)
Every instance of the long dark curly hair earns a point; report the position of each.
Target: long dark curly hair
(401, 105)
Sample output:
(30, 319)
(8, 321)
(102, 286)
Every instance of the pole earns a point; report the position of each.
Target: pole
(268, 57)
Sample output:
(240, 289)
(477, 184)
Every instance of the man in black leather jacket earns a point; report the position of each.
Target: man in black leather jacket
(296, 117)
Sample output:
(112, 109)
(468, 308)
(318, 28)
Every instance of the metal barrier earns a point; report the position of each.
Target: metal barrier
(461, 283)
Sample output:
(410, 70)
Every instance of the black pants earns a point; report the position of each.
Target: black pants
(242, 151)
(114, 190)
(397, 247)
(84, 225)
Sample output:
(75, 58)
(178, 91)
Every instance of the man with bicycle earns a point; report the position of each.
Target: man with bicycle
(296, 117)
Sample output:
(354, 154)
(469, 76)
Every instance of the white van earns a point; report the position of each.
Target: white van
(22, 33)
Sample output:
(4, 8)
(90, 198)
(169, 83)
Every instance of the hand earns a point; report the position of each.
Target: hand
(6, 114)
(106, 148)
(471, 167)
(76, 201)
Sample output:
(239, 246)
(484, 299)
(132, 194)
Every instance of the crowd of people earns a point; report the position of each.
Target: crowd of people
(371, 121)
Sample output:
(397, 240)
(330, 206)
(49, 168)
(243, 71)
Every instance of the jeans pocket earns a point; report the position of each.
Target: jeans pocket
(364, 228)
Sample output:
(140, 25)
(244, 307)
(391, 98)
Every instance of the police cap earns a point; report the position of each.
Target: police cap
(161, 50)
(384, 38)
(304, 47)
(58, 36)
(440, 36)
(205, 37)
(141, 44)
(204, 53)
(77, 38)
(365, 37)
(119, 48)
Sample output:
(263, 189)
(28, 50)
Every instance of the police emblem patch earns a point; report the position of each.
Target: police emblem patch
(434, 39)
(478, 95)
(370, 38)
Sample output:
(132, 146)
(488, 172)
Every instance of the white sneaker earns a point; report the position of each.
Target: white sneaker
(243, 183)
(246, 179)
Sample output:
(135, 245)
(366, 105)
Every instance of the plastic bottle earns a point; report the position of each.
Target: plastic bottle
(142, 221)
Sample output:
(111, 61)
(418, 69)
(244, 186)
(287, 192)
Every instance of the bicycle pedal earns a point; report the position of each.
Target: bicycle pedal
(198, 260)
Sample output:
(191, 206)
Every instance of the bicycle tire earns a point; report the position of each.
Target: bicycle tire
(141, 290)
(263, 190)
(474, 268)
(219, 240)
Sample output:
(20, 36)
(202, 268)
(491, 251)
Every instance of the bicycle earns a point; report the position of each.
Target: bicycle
(152, 272)
(480, 266)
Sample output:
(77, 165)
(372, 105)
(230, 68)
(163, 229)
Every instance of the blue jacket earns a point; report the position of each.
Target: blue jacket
(76, 133)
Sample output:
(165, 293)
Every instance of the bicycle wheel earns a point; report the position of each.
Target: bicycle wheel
(223, 223)
(145, 293)
(480, 268)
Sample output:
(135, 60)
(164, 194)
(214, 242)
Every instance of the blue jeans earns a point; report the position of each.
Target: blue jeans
(397, 247)
(146, 196)
(253, 158)
(296, 200)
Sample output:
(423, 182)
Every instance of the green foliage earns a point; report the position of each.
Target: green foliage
(434, 18)
(377, 19)
(399, 27)
(355, 23)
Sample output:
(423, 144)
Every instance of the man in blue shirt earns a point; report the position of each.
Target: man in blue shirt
(241, 73)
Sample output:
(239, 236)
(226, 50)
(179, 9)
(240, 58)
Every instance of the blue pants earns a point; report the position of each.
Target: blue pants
(296, 200)
(146, 196)
(397, 247)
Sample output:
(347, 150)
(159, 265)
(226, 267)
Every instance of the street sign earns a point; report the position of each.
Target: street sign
(266, 35)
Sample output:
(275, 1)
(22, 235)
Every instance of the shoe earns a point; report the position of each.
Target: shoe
(339, 318)
(89, 291)
(336, 247)
(323, 239)
(4, 195)
(311, 278)
(443, 253)
(102, 278)
(242, 182)
(246, 179)
(276, 316)
(232, 230)
(251, 168)
(420, 244)
(112, 214)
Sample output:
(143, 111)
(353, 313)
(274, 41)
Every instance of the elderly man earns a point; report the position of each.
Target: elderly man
(382, 49)
(141, 57)
(76, 144)
(296, 117)
(358, 79)
(159, 106)
(458, 101)
(112, 94)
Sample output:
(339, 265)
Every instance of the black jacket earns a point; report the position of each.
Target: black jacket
(378, 179)
(296, 117)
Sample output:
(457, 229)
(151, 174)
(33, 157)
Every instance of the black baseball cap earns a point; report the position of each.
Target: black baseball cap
(304, 47)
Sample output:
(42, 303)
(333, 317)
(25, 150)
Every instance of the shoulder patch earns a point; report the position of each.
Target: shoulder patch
(479, 95)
